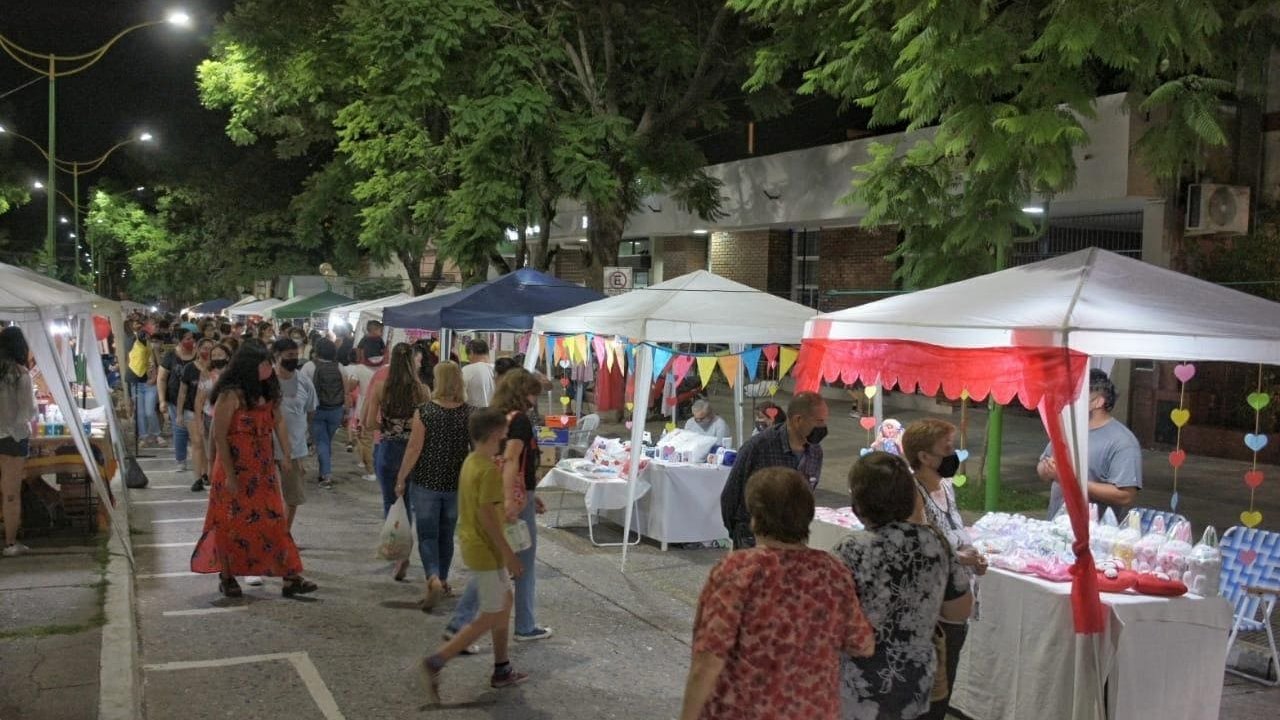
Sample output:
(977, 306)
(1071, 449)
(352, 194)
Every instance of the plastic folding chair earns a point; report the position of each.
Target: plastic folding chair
(581, 436)
(1251, 583)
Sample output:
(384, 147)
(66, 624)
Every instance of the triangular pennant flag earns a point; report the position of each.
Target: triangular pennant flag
(789, 356)
(580, 346)
(680, 367)
(751, 362)
(706, 366)
(609, 356)
(551, 353)
(661, 356)
(597, 344)
(729, 366)
(771, 355)
(619, 357)
(560, 351)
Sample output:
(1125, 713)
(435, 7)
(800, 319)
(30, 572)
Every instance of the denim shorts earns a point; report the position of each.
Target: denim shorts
(14, 448)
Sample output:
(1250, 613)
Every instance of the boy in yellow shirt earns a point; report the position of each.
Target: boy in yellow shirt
(486, 552)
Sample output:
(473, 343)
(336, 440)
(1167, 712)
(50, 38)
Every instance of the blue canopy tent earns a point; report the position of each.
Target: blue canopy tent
(212, 307)
(505, 304)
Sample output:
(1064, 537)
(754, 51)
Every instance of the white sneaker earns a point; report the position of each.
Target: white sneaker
(371, 477)
(15, 550)
(253, 580)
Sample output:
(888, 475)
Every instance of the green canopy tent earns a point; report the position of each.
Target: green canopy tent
(302, 308)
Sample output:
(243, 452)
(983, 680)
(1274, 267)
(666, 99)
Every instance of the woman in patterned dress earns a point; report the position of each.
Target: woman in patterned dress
(774, 620)
(246, 530)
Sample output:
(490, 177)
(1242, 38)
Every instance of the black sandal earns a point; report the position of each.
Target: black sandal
(229, 587)
(297, 585)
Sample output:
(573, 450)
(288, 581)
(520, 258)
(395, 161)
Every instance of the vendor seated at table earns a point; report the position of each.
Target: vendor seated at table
(706, 422)
(1115, 458)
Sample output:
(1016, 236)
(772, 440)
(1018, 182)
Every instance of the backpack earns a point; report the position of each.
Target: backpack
(330, 390)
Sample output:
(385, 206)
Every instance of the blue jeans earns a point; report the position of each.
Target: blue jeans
(469, 604)
(387, 456)
(180, 435)
(145, 402)
(436, 516)
(324, 425)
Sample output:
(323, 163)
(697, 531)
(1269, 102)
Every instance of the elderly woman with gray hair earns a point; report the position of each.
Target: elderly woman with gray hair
(706, 422)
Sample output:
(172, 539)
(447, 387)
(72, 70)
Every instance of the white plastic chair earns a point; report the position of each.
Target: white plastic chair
(1251, 583)
(581, 436)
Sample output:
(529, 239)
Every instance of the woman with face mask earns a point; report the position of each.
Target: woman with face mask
(930, 448)
(219, 358)
(188, 391)
(246, 529)
(170, 383)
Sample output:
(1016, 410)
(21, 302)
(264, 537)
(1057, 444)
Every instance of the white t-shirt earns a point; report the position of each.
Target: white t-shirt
(479, 380)
(718, 428)
(362, 374)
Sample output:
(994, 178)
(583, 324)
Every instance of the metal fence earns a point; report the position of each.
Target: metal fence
(1118, 232)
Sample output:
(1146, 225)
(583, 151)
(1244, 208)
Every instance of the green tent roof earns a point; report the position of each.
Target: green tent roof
(303, 307)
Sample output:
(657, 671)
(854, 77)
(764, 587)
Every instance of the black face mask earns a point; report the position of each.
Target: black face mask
(949, 466)
(218, 364)
(816, 435)
(761, 425)
(290, 364)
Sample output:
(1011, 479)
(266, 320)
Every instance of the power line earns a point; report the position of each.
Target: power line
(23, 86)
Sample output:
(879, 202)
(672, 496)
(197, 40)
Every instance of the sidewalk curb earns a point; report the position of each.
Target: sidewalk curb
(119, 669)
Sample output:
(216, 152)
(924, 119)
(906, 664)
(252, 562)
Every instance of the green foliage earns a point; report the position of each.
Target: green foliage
(1007, 86)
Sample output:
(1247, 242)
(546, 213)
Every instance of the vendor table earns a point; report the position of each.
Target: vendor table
(59, 455)
(675, 503)
(830, 526)
(1159, 658)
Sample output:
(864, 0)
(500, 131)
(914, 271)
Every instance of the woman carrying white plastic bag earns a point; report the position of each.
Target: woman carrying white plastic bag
(396, 541)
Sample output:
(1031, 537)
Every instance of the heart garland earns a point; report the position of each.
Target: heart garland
(1180, 417)
(1255, 441)
(961, 478)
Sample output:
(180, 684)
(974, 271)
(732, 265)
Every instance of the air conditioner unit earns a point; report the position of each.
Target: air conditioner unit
(1213, 209)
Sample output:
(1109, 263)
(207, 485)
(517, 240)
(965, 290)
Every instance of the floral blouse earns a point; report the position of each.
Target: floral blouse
(903, 573)
(779, 619)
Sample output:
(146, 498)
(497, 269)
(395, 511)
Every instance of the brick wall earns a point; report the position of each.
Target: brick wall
(682, 255)
(853, 258)
(742, 257)
(779, 273)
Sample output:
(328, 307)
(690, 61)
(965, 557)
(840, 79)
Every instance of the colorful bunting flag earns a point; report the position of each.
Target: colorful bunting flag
(661, 356)
(706, 366)
(789, 356)
(729, 366)
(597, 344)
(751, 362)
(680, 367)
(771, 355)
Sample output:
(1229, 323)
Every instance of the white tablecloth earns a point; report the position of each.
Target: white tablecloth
(677, 503)
(830, 526)
(1160, 658)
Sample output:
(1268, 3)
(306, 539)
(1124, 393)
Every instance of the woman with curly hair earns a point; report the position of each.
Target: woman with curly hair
(246, 529)
(17, 407)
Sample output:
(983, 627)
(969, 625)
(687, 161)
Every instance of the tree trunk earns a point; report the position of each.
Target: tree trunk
(544, 254)
(437, 272)
(604, 237)
(413, 269)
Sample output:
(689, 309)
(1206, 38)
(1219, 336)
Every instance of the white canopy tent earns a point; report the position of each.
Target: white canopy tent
(44, 307)
(1028, 333)
(350, 314)
(700, 307)
(258, 308)
(235, 306)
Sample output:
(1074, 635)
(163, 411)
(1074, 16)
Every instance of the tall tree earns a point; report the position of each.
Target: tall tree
(1007, 85)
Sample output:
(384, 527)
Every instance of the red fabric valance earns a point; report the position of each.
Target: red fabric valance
(1040, 378)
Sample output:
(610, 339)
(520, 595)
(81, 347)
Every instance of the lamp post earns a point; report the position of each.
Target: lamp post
(47, 64)
(75, 170)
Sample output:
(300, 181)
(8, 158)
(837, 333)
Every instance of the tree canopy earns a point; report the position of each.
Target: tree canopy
(1007, 85)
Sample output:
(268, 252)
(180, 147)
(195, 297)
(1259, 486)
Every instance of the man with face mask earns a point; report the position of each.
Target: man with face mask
(1115, 458)
(706, 422)
(795, 444)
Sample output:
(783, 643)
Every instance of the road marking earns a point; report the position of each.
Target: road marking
(204, 611)
(167, 545)
(301, 662)
(168, 502)
(177, 520)
(155, 576)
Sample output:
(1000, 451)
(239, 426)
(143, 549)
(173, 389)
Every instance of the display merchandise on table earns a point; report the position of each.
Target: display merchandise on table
(830, 525)
(1161, 561)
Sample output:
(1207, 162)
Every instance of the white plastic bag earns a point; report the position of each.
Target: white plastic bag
(1204, 566)
(518, 536)
(396, 541)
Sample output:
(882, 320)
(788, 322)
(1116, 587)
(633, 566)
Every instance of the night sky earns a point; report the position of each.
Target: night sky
(145, 82)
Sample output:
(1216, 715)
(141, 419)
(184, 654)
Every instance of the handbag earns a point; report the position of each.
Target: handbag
(518, 536)
(941, 687)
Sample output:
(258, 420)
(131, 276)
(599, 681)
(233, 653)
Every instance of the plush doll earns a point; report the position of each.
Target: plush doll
(1125, 548)
(1114, 579)
(1174, 556)
(1147, 552)
(889, 437)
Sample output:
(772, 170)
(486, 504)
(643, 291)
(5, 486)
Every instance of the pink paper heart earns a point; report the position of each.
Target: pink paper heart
(671, 401)
(1177, 458)
(1184, 372)
(771, 413)
(867, 423)
(1253, 478)
(564, 419)
(1248, 556)
(628, 424)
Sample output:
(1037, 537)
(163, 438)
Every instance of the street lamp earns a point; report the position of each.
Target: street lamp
(48, 65)
(75, 169)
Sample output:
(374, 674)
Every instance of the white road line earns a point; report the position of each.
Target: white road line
(301, 662)
(168, 502)
(204, 611)
(177, 520)
(167, 545)
(155, 576)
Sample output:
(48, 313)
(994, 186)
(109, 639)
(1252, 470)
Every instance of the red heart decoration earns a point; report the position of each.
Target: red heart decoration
(671, 401)
(867, 423)
(564, 382)
(1248, 556)
(771, 413)
(1253, 478)
(1177, 458)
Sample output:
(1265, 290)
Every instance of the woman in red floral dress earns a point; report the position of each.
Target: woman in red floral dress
(774, 620)
(246, 531)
